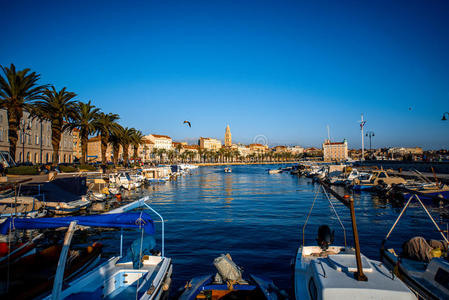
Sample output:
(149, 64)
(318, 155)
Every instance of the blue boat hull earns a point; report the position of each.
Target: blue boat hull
(444, 195)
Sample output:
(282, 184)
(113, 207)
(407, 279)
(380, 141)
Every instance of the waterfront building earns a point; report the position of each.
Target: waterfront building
(34, 140)
(243, 150)
(209, 144)
(295, 150)
(402, 151)
(160, 141)
(258, 148)
(335, 151)
(228, 137)
(280, 149)
(313, 152)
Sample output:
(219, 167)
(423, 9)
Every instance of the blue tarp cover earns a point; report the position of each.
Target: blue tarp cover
(122, 220)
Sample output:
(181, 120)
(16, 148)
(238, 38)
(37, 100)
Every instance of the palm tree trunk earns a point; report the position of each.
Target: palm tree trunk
(116, 150)
(125, 153)
(135, 152)
(14, 117)
(55, 141)
(84, 141)
(104, 146)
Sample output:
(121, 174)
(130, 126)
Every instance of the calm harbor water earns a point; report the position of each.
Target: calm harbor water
(258, 219)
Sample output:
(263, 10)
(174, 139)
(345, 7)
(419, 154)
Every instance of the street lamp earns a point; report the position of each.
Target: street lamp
(24, 128)
(370, 134)
(444, 116)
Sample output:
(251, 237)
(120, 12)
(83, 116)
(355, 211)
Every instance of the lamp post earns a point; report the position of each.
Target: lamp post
(362, 125)
(444, 116)
(370, 134)
(24, 127)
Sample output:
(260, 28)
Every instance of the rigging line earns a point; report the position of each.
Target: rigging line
(336, 214)
(430, 216)
(310, 211)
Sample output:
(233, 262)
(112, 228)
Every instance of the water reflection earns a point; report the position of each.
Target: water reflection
(258, 218)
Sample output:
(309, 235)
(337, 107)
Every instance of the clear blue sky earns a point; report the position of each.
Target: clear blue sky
(280, 69)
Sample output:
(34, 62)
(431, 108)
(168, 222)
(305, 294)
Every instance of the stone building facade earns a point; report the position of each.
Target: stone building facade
(34, 143)
(160, 141)
(209, 144)
(335, 151)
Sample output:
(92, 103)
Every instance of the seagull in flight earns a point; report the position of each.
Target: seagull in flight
(187, 123)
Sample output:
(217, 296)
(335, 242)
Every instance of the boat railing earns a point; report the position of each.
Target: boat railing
(134, 205)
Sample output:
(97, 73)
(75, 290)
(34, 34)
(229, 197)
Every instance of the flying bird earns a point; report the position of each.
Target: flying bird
(187, 123)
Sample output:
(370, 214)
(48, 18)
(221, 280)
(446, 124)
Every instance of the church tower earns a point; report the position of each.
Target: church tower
(228, 137)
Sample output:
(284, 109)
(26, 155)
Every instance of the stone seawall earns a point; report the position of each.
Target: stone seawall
(439, 167)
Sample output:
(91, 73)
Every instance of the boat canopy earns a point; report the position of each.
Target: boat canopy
(121, 220)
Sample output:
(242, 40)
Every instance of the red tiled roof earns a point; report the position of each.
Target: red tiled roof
(193, 147)
(161, 136)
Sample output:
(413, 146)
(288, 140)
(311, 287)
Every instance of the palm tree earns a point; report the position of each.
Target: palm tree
(106, 124)
(126, 138)
(160, 153)
(17, 90)
(85, 120)
(178, 149)
(115, 142)
(136, 141)
(58, 108)
(154, 152)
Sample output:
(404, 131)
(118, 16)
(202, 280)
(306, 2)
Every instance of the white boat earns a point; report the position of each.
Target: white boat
(63, 208)
(425, 274)
(274, 171)
(329, 274)
(122, 180)
(141, 275)
(340, 272)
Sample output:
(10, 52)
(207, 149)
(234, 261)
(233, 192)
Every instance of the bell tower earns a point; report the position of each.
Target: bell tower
(228, 137)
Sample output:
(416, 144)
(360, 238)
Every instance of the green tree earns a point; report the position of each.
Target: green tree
(17, 91)
(85, 120)
(115, 141)
(126, 138)
(59, 108)
(136, 141)
(106, 124)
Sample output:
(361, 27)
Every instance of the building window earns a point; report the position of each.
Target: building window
(46, 158)
(1, 134)
(20, 156)
(64, 158)
(35, 158)
(37, 140)
(1, 118)
(28, 156)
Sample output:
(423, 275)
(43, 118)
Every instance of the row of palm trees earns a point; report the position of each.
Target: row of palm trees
(224, 155)
(20, 91)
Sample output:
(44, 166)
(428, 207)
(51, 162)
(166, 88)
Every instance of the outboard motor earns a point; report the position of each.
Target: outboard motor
(325, 237)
